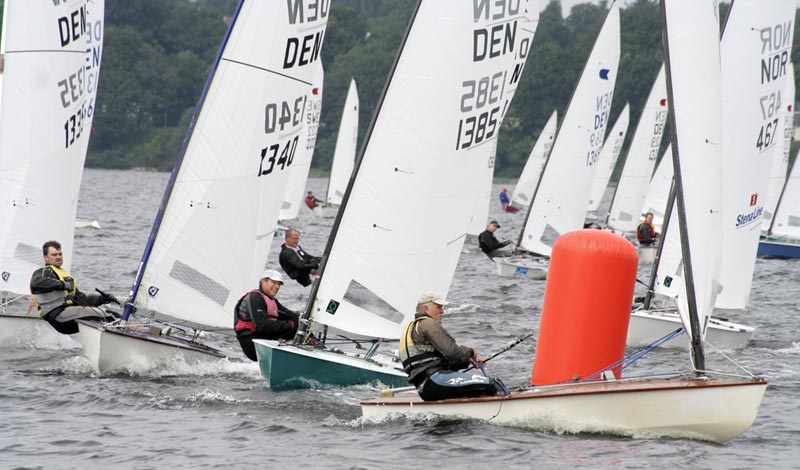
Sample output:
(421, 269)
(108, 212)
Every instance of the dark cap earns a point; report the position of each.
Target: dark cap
(494, 222)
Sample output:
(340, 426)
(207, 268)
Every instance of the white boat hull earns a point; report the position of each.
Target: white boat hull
(522, 267)
(325, 211)
(27, 330)
(646, 327)
(703, 409)
(112, 349)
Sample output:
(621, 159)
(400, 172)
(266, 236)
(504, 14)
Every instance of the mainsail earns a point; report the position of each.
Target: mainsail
(559, 204)
(782, 151)
(753, 81)
(216, 222)
(608, 159)
(345, 153)
(48, 90)
(529, 178)
(692, 50)
(403, 222)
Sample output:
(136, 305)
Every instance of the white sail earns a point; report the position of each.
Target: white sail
(404, 221)
(787, 216)
(629, 196)
(220, 216)
(560, 201)
(608, 158)
(754, 70)
(345, 153)
(529, 179)
(692, 43)
(780, 156)
(658, 192)
(44, 132)
(295, 187)
(482, 203)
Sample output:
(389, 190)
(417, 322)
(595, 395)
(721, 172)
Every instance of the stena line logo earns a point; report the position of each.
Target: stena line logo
(754, 215)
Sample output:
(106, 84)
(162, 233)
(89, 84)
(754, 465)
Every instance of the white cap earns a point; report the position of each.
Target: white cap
(428, 297)
(272, 274)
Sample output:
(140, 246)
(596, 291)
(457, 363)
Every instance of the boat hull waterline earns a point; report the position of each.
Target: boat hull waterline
(646, 327)
(286, 366)
(522, 267)
(695, 408)
(113, 349)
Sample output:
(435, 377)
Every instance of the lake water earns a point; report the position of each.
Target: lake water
(56, 414)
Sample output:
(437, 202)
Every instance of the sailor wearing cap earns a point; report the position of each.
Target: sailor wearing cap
(259, 315)
(490, 244)
(431, 357)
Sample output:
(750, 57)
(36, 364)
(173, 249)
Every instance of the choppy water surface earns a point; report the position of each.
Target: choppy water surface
(54, 413)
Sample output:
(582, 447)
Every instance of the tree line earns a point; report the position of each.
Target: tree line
(157, 55)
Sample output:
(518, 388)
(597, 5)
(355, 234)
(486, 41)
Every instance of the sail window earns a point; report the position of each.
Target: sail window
(362, 297)
(28, 253)
(199, 282)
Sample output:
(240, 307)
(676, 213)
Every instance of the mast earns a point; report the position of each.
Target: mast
(305, 318)
(698, 357)
(173, 177)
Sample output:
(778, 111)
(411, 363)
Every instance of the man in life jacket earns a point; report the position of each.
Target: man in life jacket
(58, 298)
(432, 358)
(259, 315)
(646, 233)
(312, 201)
(297, 264)
(490, 244)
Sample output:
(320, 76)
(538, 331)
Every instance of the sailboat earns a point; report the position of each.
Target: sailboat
(216, 221)
(745, 175)
(402, 223)
(559, 203)
(295, 187)
(699, 404)
(49, 86)
(781, 237)
(607, 161)
(629, 195)
(529, 178)
(343, 156)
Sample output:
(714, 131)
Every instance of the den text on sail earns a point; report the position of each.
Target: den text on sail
(304, 50)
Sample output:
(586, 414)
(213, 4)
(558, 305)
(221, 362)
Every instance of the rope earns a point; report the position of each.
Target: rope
(732, 361)
(626, 361)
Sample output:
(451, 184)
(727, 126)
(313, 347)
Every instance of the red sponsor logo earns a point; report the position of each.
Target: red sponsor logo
(753, 199)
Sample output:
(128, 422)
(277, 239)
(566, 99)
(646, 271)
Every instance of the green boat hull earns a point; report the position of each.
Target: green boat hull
(286, 367)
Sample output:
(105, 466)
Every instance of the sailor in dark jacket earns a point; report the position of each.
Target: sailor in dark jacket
(58, 298)
(432, 358)
(490, 244)
(295, 262)
(259, 315)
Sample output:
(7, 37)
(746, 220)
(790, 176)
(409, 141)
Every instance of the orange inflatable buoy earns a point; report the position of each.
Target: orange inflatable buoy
(587, 306)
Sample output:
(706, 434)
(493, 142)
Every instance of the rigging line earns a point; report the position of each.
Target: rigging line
(730, 359)
(268, 70)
